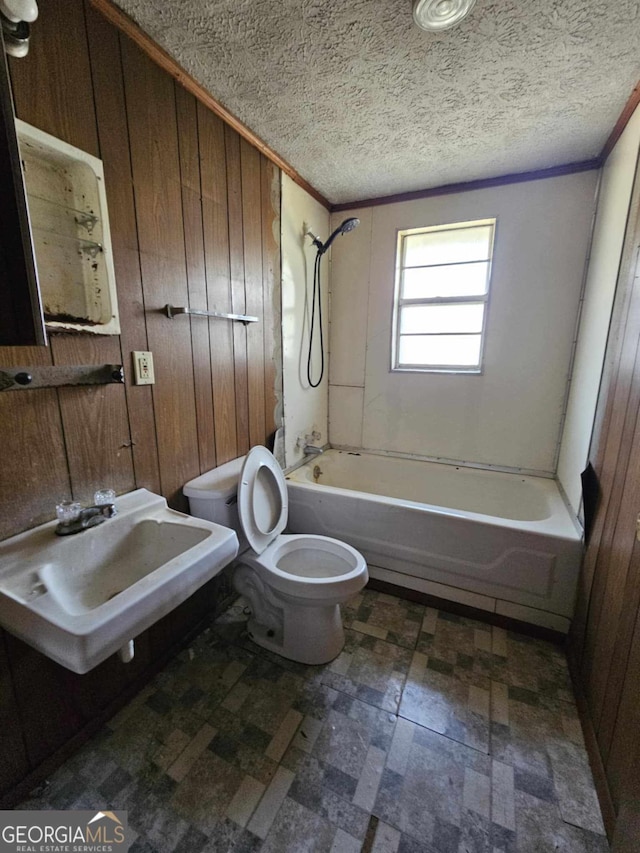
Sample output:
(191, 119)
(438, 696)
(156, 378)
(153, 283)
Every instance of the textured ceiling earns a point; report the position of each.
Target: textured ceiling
(362, 103)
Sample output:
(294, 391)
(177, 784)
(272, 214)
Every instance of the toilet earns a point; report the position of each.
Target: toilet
(294, 583)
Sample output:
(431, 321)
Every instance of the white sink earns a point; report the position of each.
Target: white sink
(80, 598)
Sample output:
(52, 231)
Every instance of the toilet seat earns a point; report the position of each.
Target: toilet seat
(262, 499)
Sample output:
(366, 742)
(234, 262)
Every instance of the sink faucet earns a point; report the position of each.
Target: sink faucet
(91, 516)
(312, 450)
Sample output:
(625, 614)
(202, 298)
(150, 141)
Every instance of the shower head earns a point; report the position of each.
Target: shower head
(343, 228)
(349, 225)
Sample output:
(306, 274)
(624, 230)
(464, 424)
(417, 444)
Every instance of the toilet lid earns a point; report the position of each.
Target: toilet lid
(262, 498)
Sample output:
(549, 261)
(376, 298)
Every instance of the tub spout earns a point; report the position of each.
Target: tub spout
(312, 450)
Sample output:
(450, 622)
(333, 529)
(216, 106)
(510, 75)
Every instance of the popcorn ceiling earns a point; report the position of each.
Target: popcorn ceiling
(362, 103)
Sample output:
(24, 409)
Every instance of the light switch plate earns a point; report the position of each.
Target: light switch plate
(143, 368)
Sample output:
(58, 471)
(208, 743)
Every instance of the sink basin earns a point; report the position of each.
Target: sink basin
(79, 599)
(85, 578)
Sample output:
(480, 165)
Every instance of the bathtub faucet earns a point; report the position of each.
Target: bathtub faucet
(312, 450)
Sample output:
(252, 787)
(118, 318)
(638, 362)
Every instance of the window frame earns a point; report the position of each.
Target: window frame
(399, 302)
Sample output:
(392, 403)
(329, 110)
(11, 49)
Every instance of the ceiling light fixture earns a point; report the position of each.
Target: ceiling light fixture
(436, 15)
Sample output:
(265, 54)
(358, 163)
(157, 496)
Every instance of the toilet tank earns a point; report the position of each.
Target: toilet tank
(213, 495)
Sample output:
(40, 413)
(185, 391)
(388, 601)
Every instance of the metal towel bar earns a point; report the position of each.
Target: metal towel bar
(172, 310)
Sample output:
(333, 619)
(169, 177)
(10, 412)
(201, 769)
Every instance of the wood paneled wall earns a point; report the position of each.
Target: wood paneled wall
(605, 639)
(194, 213)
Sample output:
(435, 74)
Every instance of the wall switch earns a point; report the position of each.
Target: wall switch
(143, 368)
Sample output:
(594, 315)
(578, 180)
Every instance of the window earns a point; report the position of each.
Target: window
(442, 287)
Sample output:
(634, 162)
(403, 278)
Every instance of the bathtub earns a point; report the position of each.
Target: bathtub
(500, 542)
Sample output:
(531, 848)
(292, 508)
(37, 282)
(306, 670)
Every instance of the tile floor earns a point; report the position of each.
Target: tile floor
(430, 732)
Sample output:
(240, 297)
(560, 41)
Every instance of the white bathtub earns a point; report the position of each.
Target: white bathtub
(500, 542)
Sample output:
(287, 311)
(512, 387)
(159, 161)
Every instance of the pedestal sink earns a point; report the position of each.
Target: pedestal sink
(78, 599)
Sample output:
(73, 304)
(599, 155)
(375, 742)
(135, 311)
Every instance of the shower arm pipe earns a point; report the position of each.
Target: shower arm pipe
(172, 311)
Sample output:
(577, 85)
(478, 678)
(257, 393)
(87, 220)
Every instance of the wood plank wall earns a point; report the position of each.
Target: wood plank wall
(194, 213)
(604, 647)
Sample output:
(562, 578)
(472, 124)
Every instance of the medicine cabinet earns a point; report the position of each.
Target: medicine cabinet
(70, 231)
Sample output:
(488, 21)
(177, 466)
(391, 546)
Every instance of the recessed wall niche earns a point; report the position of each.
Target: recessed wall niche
(70, 229)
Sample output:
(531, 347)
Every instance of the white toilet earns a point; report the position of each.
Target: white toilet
(294, 583)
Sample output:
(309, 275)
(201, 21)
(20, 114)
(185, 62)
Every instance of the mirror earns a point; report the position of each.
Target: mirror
(21, 315)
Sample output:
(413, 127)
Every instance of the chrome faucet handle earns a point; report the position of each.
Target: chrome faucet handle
(104, 496)
(67, 511)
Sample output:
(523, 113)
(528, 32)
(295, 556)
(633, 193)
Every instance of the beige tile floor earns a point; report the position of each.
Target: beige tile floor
(430, 732)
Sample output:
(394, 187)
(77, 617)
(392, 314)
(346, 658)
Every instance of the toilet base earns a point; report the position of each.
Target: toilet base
(310, 635)
(303, 630)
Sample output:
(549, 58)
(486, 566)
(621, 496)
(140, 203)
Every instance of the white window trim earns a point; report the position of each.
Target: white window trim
(398, 302)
